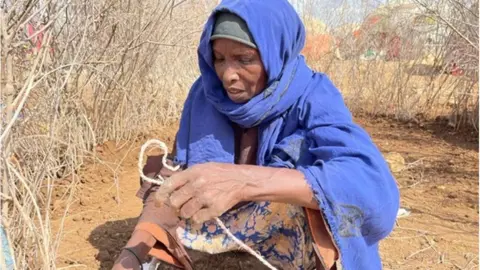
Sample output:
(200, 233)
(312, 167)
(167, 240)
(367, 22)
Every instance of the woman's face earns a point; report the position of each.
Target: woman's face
(240, 69)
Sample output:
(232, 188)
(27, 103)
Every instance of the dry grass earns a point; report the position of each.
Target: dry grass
(113, 70)
(102, 72)
(404, 90)
(401, 60)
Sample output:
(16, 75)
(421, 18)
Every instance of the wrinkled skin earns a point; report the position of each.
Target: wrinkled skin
(240, 69)
(204, 191)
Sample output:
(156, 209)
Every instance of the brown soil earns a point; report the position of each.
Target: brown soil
(439, 185)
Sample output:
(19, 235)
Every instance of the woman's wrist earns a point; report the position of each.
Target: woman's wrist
(139, 246)
(141, 242)
(126, 261)
(258, 182)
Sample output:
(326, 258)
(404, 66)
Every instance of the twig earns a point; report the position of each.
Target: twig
(473, 267)
(418, 162)
(441, 258)
(413, 229)
(470, 261)
(457, 266)
(419, 251)
(29, 87)
(6, 197)
(449, 24)
(417, 182)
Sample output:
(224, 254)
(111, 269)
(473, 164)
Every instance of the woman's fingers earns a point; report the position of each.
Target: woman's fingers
(182, 195)
(191, 207)
(204, 214)
(201, 192)
(171, 184)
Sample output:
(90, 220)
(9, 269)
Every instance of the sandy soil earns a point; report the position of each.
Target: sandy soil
(439, 184)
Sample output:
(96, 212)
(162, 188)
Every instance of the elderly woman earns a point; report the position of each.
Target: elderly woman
(267, 145)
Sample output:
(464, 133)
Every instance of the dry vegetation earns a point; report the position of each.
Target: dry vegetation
(413, 61)
(105, 70)
(75, 74)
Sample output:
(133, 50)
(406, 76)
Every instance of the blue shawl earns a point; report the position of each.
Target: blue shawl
(303, 124)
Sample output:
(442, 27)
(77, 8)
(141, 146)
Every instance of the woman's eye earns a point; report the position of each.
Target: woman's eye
(218, 59)
(246, 60)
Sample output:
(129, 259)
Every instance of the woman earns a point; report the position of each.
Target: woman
(268, 146)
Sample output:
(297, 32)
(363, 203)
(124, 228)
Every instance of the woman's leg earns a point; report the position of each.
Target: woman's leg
(279, 232)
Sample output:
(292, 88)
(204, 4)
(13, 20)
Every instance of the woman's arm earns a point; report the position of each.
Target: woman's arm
(206, 191)
(275, 185)
(141, 241)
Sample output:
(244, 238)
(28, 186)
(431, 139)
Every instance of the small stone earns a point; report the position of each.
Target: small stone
(395, 161)
(441, 187)
(70, 262)
(451, 162)
(75, 219)
(452, 196)
(82, 202)
(450, 169)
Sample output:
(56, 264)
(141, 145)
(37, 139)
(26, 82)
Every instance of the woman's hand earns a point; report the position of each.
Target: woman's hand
(204, 191)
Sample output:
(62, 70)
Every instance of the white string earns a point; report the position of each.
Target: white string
(160, 181)
(164, 148)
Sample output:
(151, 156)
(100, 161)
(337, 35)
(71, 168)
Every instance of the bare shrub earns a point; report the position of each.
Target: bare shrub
(461, 54)
(406, 59)
(75, 74)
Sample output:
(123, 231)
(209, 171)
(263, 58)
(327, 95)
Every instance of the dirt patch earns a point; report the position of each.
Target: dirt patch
(438, 184)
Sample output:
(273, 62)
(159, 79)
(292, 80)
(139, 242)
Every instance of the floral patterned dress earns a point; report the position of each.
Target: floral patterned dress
(279, 232)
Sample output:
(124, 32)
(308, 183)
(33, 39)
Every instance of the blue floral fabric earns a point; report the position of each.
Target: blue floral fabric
(279, 232)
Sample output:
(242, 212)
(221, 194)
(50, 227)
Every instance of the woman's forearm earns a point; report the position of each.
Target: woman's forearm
(142, 242)
(276, 185)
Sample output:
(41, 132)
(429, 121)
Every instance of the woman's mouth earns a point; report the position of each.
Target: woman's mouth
(234, 91)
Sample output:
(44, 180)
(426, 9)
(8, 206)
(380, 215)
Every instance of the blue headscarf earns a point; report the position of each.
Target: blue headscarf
(303, 124)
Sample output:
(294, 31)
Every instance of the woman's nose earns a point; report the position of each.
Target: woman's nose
(230, 74)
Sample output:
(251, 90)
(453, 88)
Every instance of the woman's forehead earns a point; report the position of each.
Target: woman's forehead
(231, 46)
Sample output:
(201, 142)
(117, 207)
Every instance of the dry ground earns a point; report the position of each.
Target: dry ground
(439, 185)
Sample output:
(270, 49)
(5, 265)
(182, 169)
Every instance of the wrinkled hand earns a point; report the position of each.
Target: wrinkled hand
(204, 191)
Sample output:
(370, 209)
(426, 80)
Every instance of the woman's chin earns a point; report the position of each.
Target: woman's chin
(238, 98)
